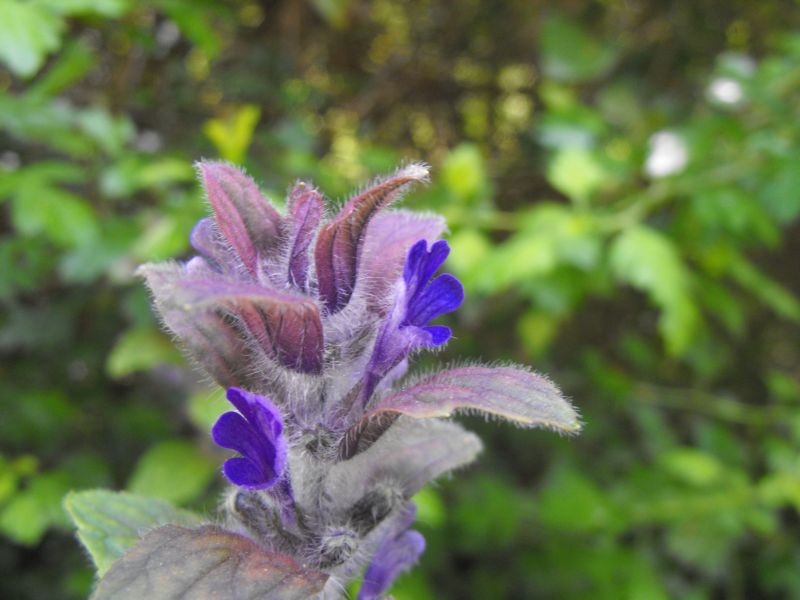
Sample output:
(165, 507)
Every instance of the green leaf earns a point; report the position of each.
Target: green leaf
(571, 502)
(770, 292)
(779, 195)
(110, 133)
(232, 134)
(570, 54)
(29, 514)
(66, 219)
(207, 562)
(141, 349)
(109, 523)
(549, 238)
(649, 261)
(162, 237)
(464, 174)
(74, 61)
(430, 507)
(333, 11)
(29, 31)
(693, 466)
(134, 172)
(199, 25)
(470, 249)
(105, 8)
(175, 470)
(9, 479)
(576, 173)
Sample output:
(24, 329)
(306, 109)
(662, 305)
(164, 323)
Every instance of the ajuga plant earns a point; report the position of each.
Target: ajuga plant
(308, 319)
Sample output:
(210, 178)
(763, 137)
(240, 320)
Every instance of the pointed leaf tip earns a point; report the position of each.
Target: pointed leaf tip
(244, 217)
(340, 242)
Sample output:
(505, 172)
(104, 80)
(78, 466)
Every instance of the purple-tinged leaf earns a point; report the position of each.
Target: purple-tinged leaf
(340, 242)
(205, 563)
(305, 209)
(286, 326)
(208, 336)
(388, 238)
(244, 217)
(212, 341)
(512, 393)
(409, 454)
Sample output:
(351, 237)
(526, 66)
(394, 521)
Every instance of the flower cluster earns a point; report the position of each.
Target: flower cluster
(309, 321)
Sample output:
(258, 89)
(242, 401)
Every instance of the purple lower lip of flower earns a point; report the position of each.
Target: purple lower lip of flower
(255, 432)
(396, 554)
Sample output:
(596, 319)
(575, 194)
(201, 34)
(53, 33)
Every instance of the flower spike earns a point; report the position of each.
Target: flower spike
(311, 324)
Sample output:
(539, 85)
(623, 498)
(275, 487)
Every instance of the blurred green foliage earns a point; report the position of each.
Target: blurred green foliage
(623, 187)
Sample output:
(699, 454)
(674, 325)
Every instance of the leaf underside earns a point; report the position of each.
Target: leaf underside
(409, 454)
(208, 562)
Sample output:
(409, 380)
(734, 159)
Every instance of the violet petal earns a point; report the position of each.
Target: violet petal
(394, 556)
(439, 334)
(422, 264)
(256, 409)
(256, 432)
(246, 473)
(443, 295)
(234, 432)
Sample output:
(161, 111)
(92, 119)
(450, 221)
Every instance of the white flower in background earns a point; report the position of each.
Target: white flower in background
(668, 154)
(726, 90)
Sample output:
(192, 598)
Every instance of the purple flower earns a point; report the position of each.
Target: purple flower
(255, 432)
(418, 301)
(425, 301)
(396, 554)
